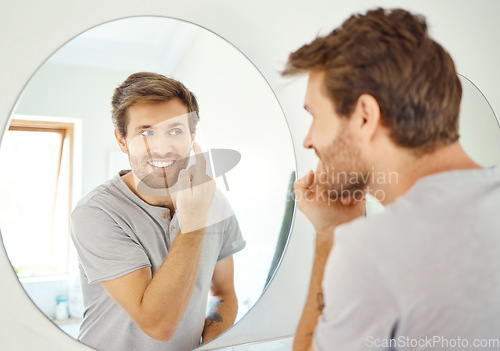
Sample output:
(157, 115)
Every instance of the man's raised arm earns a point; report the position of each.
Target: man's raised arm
(325, 214)
(157, 303)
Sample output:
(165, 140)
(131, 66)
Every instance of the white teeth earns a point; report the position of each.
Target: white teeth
(161, 164)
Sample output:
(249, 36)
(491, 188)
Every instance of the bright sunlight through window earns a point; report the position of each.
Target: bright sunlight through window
(34, 219)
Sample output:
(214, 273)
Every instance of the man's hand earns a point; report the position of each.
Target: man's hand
(324, 212)
(193, 193)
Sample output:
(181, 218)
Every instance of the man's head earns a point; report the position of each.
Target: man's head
(155, 119)
(377, 73)
(146, 87)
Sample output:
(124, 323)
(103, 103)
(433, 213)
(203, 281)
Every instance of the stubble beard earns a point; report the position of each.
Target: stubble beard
(344, 168)
(156, 180)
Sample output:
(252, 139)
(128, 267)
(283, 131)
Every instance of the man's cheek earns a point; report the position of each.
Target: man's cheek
(138, 144)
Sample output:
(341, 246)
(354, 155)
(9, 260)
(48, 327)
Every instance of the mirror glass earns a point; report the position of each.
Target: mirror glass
(60, 145)
(479, 126)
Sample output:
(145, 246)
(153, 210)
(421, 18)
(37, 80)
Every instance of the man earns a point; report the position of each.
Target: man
(425, 273)
(153, 240)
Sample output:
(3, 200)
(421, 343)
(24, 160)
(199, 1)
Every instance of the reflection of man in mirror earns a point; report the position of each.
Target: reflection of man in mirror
(149, 243)
(424, 273)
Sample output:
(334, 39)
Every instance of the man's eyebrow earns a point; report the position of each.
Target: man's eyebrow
(144, 126)
(170, 125)
(176, 124)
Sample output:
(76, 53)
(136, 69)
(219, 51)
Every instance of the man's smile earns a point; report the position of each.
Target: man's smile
(161, 164)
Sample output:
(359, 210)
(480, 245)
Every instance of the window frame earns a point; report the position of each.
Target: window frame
(70, 130)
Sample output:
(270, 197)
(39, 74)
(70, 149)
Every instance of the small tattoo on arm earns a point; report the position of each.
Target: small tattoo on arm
(214, 316)
(321, 302)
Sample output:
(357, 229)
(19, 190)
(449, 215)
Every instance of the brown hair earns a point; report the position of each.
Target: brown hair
(145, 87)
(389, 55)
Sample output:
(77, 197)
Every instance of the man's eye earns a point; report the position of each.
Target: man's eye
(175, 132)
(147, 133)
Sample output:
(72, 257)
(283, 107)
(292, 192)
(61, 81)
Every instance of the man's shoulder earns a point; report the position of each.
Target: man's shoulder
(102, 196)
(425, 213)
(379, 234)
(220, 208)
(220, 199)
(363, 228)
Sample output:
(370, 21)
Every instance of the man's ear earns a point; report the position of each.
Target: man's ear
(367, 117)
(121, 141)
(193, 136)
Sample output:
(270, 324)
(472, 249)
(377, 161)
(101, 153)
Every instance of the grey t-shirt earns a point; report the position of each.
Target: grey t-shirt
(115, 233)
(426, 271)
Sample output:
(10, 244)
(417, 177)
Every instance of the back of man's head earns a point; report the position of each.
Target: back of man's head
(389, 55)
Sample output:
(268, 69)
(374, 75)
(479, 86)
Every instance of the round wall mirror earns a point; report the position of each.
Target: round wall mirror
(60, 145)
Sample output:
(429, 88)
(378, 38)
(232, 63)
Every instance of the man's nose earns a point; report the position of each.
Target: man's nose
(308, 142)
(162, 143)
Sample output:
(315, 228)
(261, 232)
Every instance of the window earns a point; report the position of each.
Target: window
(36, 160)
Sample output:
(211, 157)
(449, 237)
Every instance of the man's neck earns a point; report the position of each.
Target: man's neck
(406, 170)
(163, 198)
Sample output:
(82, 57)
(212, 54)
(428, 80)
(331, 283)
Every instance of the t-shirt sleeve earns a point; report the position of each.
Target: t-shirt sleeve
(232, 239)
(105, 251)
(360, 312)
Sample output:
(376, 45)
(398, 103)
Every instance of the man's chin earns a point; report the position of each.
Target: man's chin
(336, 191)
(152, 186)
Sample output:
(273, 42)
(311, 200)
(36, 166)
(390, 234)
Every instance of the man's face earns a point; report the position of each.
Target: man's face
(332, 138)
(158, 142)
